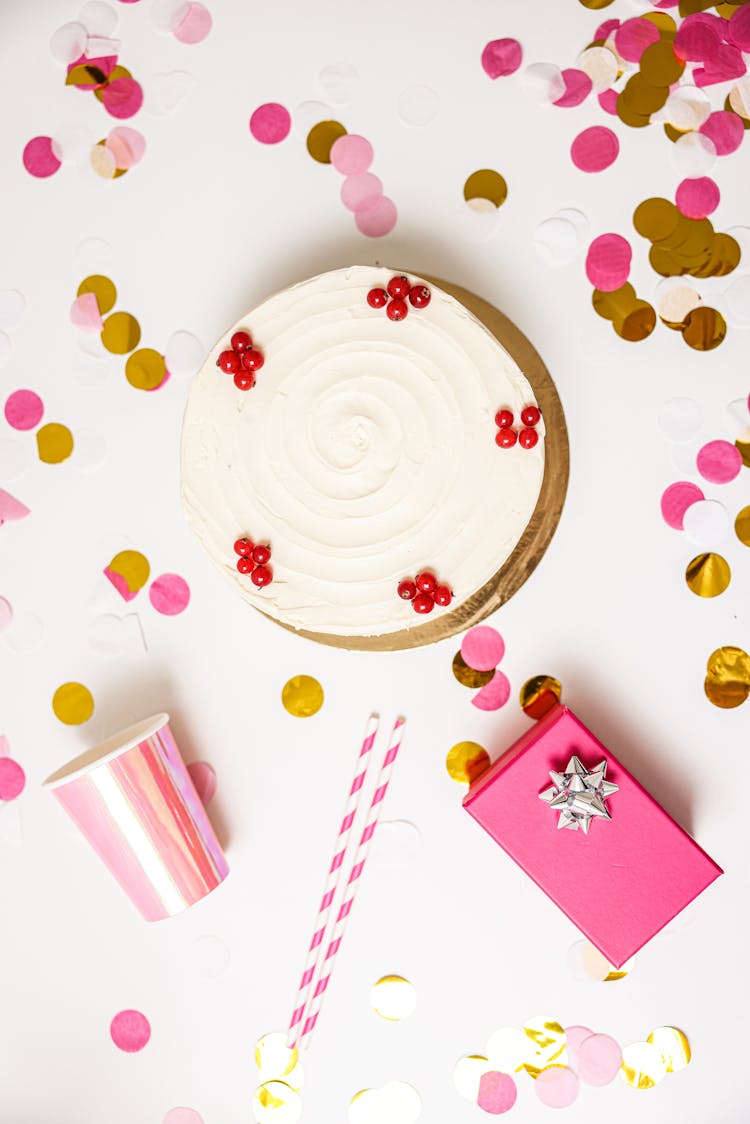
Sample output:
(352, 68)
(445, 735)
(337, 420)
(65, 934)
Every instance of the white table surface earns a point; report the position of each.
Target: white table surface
(206, 226)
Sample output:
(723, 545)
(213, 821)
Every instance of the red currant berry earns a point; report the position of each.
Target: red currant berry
(241, 341)
(407, 589)
(252, 360)
(423, 603)
(243, 547)
(377, 298)
(506, 438)
(245, 565)
(504, 419)
(244, 380)
(426, 582)
(531, 415)
(228, 362)
(261, 555)
(397, 309)
(420, 296)
(261, 576)
(442, 595)
(528, 438)
(398, 287)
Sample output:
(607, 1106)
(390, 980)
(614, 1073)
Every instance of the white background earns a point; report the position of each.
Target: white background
(205, 227)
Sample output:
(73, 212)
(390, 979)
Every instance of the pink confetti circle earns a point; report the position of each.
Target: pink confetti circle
(697, 198)
(351, 154)
(725, 130)
(608, 101)
(502, 57)
(169, 594)
(608, 262)
(195, 24)
(359, 193)
(39, 157)
(85, 314)
(494, 694)
(122, 98)
(634, 36)
(24, 409)
(377, 220)
(203, 777)
(675, 501)
(594, 149)
(739, 28)
(127, 145)
(270, 123)
(497, 1093)
(604, 30)
(557, 1086)
(183, 1116)
(130, 1031)
(719, 462)
(599, 1060)
(578, 86)
(12, 779)
(574, 1036)
(482, 648)
(698, 39)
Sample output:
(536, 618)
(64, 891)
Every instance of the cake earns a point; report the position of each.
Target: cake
(364, 451)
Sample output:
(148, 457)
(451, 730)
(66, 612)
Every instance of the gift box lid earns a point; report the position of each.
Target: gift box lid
(621, 882)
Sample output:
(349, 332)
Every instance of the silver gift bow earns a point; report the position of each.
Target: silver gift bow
(580, 794)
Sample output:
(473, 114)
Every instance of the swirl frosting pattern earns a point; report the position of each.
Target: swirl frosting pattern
(364, 453)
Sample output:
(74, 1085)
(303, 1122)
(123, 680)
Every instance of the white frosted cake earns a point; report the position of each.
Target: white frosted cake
(362, 451)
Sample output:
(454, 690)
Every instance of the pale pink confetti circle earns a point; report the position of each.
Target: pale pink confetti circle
(195, 24)
(169, 594)
(578, 86)
(24, 409)
(574, 1036)
(697, 198)
(497, 1093)
(739, 28)
(633, 37)
(594, 149)
(494, 694)
(130, 1031)
(482, 648)
(6, 613)
(377, 220)
(725, 129)
(135, 141)
(557, 1086)
(203, 777)
(502, 57)
(608, 101)
(12, 779)
(122, 98)
(351, 154)
(39, 158)
(675, 501)
(358, 193)
(85, 314)
(270, 123)
(599, 1060)
(608, 262)
(120, 152)
(719, 462)
(181, 1115)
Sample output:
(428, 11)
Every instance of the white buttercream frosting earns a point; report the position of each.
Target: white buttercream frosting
(364, 453)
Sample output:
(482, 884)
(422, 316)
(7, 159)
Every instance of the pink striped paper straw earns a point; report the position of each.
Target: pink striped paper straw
(355, 875)
(333, 879)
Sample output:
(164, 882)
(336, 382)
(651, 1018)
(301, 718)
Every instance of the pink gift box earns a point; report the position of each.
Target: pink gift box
(620, 883)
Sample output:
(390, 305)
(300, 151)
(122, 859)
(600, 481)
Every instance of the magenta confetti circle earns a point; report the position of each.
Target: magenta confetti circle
(169, 594)
(351, 154)
(608, 101)
(195, 24)
(633, 37)
(122, 98)
(604, 30)
(359, 193)
(39, 157)
(502, 57)
(719, 462)
(482, 647)
(739, 27)
(697, 198)
(24, 409)
(497, 1093)
(599, 1060)
(557, 1086)
(270, 123)
(377, 220)
(594, 149)
(130, 1031)
(608, 262)
(697, 39)
(725, 130)
(12, 779)
(494, 694)
(675, 501)
(578, 86)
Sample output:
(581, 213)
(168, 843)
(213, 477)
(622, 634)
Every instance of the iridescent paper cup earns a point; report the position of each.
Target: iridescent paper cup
(133, 799)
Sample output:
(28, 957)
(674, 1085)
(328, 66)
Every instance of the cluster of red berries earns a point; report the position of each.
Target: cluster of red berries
(424, 592)
(527, 437)
(241, 360)
(253, 560)
(394, 298)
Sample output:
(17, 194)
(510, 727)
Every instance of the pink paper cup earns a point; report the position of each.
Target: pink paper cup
(133, 799)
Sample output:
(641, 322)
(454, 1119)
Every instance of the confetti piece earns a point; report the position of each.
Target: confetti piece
(167, 14)
(358, 193)
(608, 262)
(73, 704)
(270, 123)
(494, 695)
(320, 140)
(6, 614)
(377, 220)
(725, 130)
(128, 571)
(742, 526)
(697, 198)
(739, 28)
(393, 998)
(184, 354)
(98, 18)
(557, 1086)
(11, 509)
(727, 682)
(608, 101)
(578, 86)
(708, 575)
(40, 159)
(103, 289)
(91, 450)
(169, 594)
(273, 1058)
(574, 1036)
(468, 1073)
(737, 302)
(275, 1103)
(211, 957)
(23, 409)
(54, 443)
(719, 462)
(594, 149)
(673, 1046)
(539, 694)
(676, 500)
(633, 37)
(482, 648)
(179, 1115)
(674, 302)
(14, 460)
(680, 419)
(194, 26)
(103, 161)
(339, 81)
(203, 777)
(130, 1031)
(109, 635)
(146, 369)
(545, 1044)
(398, 843)
(418, 105)
(601, 66)
(469, 676)
(122, 97)
(693, 155)
(595, 966)
(121, 333)
(466, 761)
(12, 308)
(643, 1066)
(686, 108)
(85, 314)
(12, 779)
(487, 187)
(507, 1049)
(302, 696)
(497, 1093)
(73, 143)
(68, 43)
(599, 1058)
(706, 522)
(502, 57)
(351, 155)
(126, 144)
(544, 83)
(704, 329)
(560, 237)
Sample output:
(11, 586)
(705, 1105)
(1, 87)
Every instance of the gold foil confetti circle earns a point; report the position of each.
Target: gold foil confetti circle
(539, 694)
(467, 1074)
(656, 219)
(643, 1066)
(103, 162)
(73, 704)
(469, 676)
(485, 185)
(393, 998)
(620, 973)
(132, 567)
(744, 449)
(466, 761)
(273, 1058)
(596, 5)
(727, 682)
(121, 333)
(302, 696)
(103, 289)
(615, 305)
(705, 328)
(54, 443)
(708, 575)
(276, 1103)
(638, 324)
(145, 369)
(742, 526)
(673, 1046)
(321, 138)
(546, 1044)
(659, 66)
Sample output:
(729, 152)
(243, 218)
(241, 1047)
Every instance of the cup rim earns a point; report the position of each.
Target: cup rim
(112, 747)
